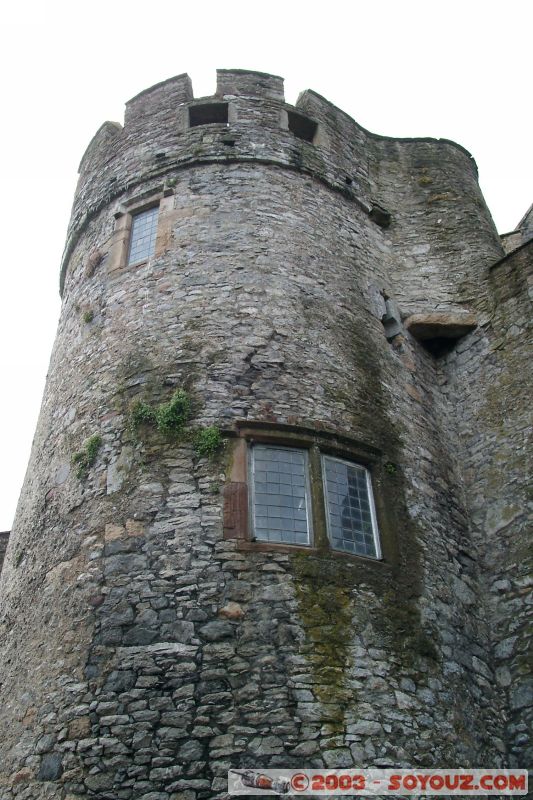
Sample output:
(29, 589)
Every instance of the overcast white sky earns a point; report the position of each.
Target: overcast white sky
(456, 70)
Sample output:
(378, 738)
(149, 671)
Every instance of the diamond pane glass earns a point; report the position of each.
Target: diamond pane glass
(349, 506)
(143, 235)
(280, 495)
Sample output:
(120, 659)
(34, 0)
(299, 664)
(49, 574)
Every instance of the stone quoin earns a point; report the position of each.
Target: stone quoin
(275, 511)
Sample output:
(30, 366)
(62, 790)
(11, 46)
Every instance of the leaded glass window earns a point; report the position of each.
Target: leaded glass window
(280, 495)
(350, 513)
(143, 235)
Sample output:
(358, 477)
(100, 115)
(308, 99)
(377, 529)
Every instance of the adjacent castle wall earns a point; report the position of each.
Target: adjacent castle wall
(486, 381)
(155, 653)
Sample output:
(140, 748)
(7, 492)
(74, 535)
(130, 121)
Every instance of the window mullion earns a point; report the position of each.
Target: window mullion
(320, 536)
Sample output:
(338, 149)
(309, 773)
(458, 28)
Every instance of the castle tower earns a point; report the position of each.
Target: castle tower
(252, 529)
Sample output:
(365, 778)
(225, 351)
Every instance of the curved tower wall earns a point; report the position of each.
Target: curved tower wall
(154, 648)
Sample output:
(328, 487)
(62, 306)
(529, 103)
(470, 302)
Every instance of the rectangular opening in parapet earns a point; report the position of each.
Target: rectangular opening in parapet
(208, 113)
(302, 127)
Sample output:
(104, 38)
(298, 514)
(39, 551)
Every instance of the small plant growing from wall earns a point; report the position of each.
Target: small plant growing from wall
(141, 414)
(86, 457)
(207, 442)
(88, 316)
(169, 418)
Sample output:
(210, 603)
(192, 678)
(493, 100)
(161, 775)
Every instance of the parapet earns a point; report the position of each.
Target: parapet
(245, 83)
(247, 120)
(522, 234)
(157, 115)
(157, 99)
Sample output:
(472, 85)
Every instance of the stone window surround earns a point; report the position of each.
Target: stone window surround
(237, 512)
(120, 240)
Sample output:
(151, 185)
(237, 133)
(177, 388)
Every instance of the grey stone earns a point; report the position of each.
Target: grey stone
(126, 564)
(364, 727)
(51, 767)
(45, 743)
(155, 796)
(216, 630)
(191, 751)
(116, 719)
(339, 758)
(99, 782)
(305, 749)
(120, 681)
(182, 631)
(138, 634)
(521, 696)
(505, 648)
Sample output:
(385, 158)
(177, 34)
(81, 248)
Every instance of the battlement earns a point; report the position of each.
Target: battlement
(247, 120)
(247, 83)
(162, 109)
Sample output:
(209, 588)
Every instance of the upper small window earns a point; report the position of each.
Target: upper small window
(208, 113)
(350, 514)
(302, 127)
(143, 235)
(280, 495)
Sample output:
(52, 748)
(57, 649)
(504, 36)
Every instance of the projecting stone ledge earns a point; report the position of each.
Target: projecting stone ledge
(439, 325)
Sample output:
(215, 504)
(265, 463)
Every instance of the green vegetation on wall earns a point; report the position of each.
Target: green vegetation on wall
(208, 442)
(86, 457)
(169, 418)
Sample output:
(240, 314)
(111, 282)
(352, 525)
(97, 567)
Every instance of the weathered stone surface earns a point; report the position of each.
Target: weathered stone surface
(447, 326)
(232, 611)
(142, 648)
(51, 767)
(216, 630)
(4, 539)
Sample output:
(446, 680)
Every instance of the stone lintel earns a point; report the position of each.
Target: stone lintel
(440, 325)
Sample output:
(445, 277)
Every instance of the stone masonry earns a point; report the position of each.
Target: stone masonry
(316, 285)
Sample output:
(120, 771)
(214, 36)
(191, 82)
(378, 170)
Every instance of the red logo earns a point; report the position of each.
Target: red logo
(299, 782)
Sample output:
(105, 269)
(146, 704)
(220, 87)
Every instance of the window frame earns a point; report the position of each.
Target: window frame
(370, 498)
(120, 244)
(238, 523)
(135, 215)
(252, 448)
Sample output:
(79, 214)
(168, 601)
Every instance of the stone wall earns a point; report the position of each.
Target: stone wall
(486, 379)
(522, 234)
(155, 653)
(4, 539)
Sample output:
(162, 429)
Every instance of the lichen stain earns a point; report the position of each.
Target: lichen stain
(325, 604)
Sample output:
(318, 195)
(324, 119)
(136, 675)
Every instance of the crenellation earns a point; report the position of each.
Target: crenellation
(98, 149)
(247, 83)
(162, 98)
(342, 153)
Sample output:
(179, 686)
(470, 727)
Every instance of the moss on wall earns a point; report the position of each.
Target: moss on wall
(324, 595)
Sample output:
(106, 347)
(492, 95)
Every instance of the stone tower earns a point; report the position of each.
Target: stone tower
(274, 514)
